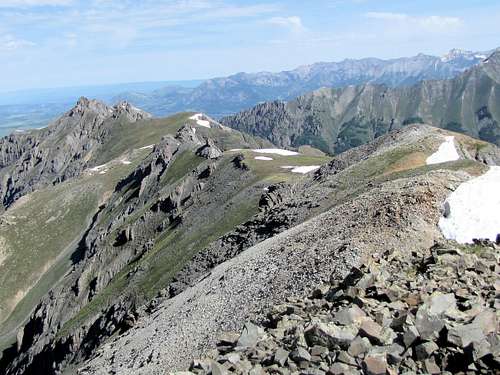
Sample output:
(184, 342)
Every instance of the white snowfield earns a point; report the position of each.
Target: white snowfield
(126, 162)
(302, 169)
(147, 147)
(98, 168)
(199, 121)
(446, 152)
(277, 151)
(263, 158)
(473, 210)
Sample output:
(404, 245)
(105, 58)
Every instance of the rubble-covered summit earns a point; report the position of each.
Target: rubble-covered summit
(432, 312)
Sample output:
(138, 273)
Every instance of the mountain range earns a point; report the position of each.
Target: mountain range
(335, 120)
(227, 95)
(349, 230)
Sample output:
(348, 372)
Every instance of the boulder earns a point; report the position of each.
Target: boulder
(375, 364)
(250, 335)
(330, 335)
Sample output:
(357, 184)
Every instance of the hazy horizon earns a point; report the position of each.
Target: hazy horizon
(72, 43)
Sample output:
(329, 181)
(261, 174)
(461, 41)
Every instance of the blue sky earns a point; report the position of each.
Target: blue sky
(52, 43)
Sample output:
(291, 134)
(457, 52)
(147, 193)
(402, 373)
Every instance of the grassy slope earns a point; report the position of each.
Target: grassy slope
(44, 230)
(48, 224)
(401, 162)
(125, 136)
(176, 246)
(271, 170)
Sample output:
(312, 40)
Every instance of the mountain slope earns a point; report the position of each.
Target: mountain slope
(136, 220)
(144, 270)
(335, 120)
(95, 147)
(227, 95)
(371, 203)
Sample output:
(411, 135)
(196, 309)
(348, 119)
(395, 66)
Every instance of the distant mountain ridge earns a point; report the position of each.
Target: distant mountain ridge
(335, 120)
(227, 95)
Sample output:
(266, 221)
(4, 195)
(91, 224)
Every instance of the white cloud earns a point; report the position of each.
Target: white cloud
(29, 3)
(294, 23)
(11, 43)
(387, 16)
(420, 23)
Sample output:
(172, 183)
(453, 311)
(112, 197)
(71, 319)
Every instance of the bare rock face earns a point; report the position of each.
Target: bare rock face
(60, 151)
(130, 112)
(209, 150)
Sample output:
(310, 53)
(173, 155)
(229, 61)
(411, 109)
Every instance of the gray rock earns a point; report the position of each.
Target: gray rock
(281, 356)
(462, 335)
(209, 150)
(330, 335)
(440, 303)
(428, 325)
(375, 364)
(300, 354)
(425, 350)
(359, 346)
(349, 315)
(250, 335)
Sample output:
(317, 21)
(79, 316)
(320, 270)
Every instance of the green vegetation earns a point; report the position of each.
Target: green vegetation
(38, 235)
(125, 136)
(174, 247)
(184, 163)
(272, 169)
(478, 250)
(312, 140)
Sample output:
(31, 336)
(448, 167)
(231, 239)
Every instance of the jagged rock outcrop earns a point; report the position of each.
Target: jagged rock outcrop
(61, 151)
(335, 120)
(130, 112)
(209, 150)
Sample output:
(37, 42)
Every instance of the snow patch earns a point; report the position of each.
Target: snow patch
(305, 169)
(126, 162)
(147, 147)
(98, 168)
(276, 151)
(446, 152)
(198, 118)
(301, 169)
(262, 158)
(473, 210)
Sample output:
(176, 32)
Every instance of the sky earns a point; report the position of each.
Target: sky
(57, 43)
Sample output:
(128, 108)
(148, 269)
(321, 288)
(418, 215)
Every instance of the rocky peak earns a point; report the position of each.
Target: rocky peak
(209, 150)
(132, 113)
(494, 57)
(457, 53)
(84, 105)
(187, 134)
